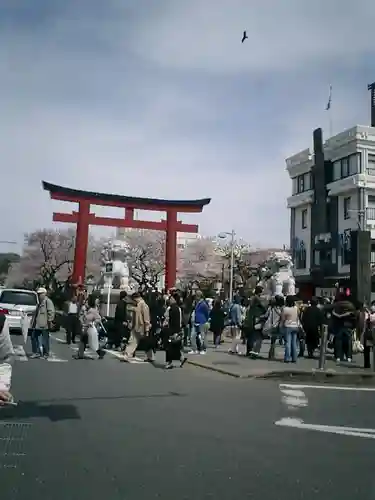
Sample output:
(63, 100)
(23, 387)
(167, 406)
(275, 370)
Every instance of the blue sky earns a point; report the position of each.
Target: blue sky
(161, 99)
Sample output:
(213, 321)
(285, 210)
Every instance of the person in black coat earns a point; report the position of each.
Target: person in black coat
(217, 321)
(312, 319)
(173, 335)
(121, 320)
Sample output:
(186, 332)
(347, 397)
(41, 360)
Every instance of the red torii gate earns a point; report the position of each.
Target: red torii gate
(84, 218)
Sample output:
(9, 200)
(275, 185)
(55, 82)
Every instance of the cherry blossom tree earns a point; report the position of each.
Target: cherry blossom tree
(199, 260)
(249, 263)
(146, 259)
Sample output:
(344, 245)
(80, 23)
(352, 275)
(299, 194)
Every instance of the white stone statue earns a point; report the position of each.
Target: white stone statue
(115, 252)
(282, 280)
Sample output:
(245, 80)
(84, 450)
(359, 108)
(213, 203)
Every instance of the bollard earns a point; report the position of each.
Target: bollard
(323, 347)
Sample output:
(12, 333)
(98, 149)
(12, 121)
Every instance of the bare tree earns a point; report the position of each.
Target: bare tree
(47, 259)
(146, 256)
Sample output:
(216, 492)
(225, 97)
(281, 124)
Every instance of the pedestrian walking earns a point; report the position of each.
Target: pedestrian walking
(140, 330)
(368, 336)
(235, 318)
(120, 330)
(217, 321)
(6, 362)
(41, 325)
(312, 319)
(200, 317)
(255, 318)
(290, 322)
(72, 323)
(173, 333)
(91, 321)
(272, 326)
(344, 320)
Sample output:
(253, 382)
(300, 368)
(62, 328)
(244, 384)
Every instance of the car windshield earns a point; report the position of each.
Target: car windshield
(18, 297)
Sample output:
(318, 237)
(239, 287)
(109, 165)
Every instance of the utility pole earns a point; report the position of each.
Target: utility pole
(371, 88)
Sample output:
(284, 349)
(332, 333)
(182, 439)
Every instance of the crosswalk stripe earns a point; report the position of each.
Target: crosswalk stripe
(111, 352)
(21, 355)
(55, 359)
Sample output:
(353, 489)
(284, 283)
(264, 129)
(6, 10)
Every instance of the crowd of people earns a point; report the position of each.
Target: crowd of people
(177, 322)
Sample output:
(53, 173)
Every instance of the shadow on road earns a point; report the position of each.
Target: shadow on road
(32, 409)
(89, 398)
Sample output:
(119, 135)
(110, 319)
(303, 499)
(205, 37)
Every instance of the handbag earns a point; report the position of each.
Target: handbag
(93, 337)
(176, 337)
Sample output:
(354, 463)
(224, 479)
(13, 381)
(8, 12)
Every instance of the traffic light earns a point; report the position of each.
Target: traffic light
(109, 267)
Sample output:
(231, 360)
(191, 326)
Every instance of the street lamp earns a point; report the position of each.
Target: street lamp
(232, 235)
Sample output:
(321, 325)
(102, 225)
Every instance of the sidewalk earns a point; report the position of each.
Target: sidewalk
(305, 369)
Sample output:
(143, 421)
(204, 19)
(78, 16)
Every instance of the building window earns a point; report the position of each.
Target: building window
(370, 207)
(301, 183)
(347, 208)
(354, 164)
(301, 256)
(372, 255)
(337, 170)
(345, 245)
(304, 218)
(317, 257)
(350, 165)
(344, 167)
(371, 165)
(294, 185)
(334, 255)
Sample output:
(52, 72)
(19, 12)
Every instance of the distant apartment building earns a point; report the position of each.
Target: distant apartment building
(333, 192)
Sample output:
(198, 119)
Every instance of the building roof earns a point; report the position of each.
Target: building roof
(131, 200)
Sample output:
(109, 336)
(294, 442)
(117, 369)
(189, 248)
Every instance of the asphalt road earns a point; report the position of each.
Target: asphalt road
(94, 429)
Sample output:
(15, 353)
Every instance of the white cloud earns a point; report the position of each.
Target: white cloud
(96, 103)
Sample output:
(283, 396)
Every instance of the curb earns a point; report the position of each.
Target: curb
(217, 370)
(327, 376)
(297, 375)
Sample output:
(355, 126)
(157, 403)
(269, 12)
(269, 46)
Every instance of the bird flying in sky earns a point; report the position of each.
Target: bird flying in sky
(244, 37)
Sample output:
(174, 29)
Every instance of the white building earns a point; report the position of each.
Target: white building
(333, 191)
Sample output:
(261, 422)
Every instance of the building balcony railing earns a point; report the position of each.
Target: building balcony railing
(370, 213)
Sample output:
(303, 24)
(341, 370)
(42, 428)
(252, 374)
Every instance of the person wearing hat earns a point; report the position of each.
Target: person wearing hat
(41, 325)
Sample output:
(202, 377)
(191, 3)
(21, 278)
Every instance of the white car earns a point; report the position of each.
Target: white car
(15, 303)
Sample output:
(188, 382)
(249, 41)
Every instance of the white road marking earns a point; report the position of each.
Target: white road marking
(294, 398)
(115, 354)
(55, 359)
(332, 429)
(111, 352)
(58, 340)
(20, 354)
(327, 387)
